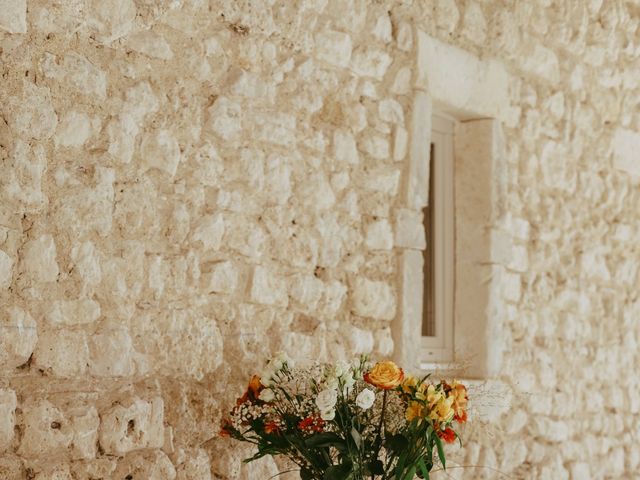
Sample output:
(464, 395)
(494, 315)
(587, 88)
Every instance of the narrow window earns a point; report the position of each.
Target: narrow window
(437, 321)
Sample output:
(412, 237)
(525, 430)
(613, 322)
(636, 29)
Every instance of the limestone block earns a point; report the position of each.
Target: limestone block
(245, 237)
(360, 341)
(376, 146)
(382, 28)
(263, 468)
(110, 20)
(333, 48)
(447, 15)
(461, 80)
(404, 36)
(73, 130)
(383, 343)
(182, 342)
(84, 424)
(409, 229)
(18, 337)
(8, 402)
(402, 82)
(160, 150)
(31, 114)
(379, 235)
(64, 353)
(47, 432)
(580, 470)
(111, 353)
(13, 16)
(52, 471)
(73, 312)
(134, 425)
(153, 465)
(370, 62)
(383, 180)
(516, 421)
(209, 232)
(224, 118)
(333, 297)
(223, 278)
(194, 466)
(87, 262)
(267, 288)
(6, 270)
(151, 44)
(344, 147)
(248, 84)
(22, 182)
(474, 23)
(122, 132)
(277, 128)
(626, 145)
(277, 180)
(400, 142)
(306, 291)
(374, 299)
(140, 101)
(11, 468)
(593, 264)
(543, 63)
(391, 111)
(316, 192)
(84, 76)
(39, 259)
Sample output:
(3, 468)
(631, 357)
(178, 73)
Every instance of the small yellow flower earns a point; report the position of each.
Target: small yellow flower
(414, 410)
(409, 384)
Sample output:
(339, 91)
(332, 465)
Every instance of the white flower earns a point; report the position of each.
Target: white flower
(348, 381)
(267, 395)
(326, 400)
(365, 399)
(328, 414)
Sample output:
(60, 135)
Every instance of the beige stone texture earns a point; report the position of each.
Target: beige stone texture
(188, 186)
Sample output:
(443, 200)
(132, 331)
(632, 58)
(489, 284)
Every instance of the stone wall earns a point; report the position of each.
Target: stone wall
(187, 186)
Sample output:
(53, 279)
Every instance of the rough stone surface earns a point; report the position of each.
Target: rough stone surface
(18, 339)
(8, 402)
(137, 426)
(13, 16)
(186, 186)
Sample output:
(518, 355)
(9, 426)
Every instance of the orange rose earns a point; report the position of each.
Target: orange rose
(385, 375)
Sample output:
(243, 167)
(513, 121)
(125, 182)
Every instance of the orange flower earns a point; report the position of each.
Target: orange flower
(385, 375)
(271, 427)
(225, 429)
(448, 435)
(311, 424)
(461, 418)
(253, 391)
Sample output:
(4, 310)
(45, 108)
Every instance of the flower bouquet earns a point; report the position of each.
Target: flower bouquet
(348, 421)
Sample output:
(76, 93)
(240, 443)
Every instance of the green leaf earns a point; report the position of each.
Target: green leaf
(337, 472)
(306, 474)
(411, 473)
(440, 450)
(357, 438)
(423, 469)
(326, 439)
(376, 467)
(400, 464)
(397, 442)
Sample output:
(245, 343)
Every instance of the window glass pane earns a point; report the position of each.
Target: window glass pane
(428, 308)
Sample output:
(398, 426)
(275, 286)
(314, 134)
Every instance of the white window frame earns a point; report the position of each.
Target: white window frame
(440, 348)
(476, 92)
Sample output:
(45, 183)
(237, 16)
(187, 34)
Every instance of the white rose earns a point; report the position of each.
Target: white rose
(365, 399)
(326, 400)
(267, 395)
(348, 381)
(328, 415)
